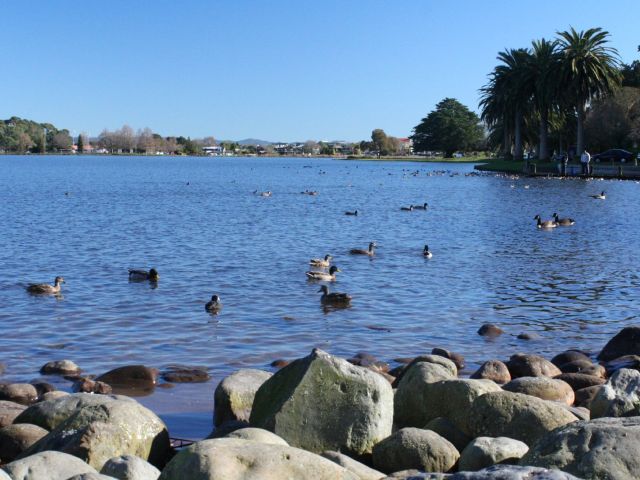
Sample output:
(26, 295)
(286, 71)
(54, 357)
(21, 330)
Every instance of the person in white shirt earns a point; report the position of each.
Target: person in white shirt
(585, 158)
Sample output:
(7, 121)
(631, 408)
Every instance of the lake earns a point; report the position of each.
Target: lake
(198, 223)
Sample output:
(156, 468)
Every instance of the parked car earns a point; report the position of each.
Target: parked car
(615, 154)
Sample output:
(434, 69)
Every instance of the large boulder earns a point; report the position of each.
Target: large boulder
(47, 465)
(619, 397)
(233, 397)
(493, 370)
(446, 429)
(361, 470)
(569, 356)
(526, 365)
(484, 452)
(130, 467)
(580, 380)
(135, 379)
(9, 411)
(101, 428)
(91, 476)
(515, 415)
(235, 459)
(415, 448)
(542, 387)
(15, 439)
(513, 472)
(60, 367)
(626, 342)
(606, 448)
(23, 393)
(321, 402)
(257, 435)
(411, 386)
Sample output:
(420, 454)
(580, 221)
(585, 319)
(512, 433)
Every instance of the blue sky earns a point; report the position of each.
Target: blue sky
(276, 70)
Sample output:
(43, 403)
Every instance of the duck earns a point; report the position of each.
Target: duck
(140, 275)
(320, 262)
(425, 206)
(354, 213)
(324, 276)
(407, 209)
(333, 298)
(266, 194)
(426, 252)
(358, 251)
(45, 288)
(565, 222)
(214, 305)
(546, 223)
(600, 196)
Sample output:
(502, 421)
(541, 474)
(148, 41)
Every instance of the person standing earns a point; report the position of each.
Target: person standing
(585, 158)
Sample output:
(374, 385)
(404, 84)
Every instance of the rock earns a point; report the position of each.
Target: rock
(279, 363)
(626, 342)
(47, 465)
(43, 388)
(569, 356)
(359, 469)
(418, 403)
(86, 385)
(132, 379)
(234, 395)
(490, 330)
(626, 361)
(585, 396)
(130, 467)
(235, 459)
(257, 435)
(587, 368)
(445, 363)
(513, 472)
(493, 370)
(9, 411)
(484, 452)
(15, 439)
(226, 428)
(60, 367)
(91, 476)
(525, 365)
(542, 387)
(580, 413)
(606, 448)
(619, 397)
(515, 415)
(53, 395)
(23, 393)
(415, 448)
(454, 357)
(185, 374)
(447, 430)
(322, 402)
(580, 380)
(96, 428)
(4, 476)
(529, 336)
(369, 361)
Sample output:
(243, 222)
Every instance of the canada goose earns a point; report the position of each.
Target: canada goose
(421, 207)
(45, 288)
(214, 305)
(354, 213)
(600, 196)
(370, 251)
(565, 222)
(266, 194)
(333, 298)
(407, 209)
(546, 223)
(141, 275)
(327, 277)
(426, 252)
(319, 262)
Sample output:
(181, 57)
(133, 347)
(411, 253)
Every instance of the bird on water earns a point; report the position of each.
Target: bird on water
(141, 275)
(45, 288)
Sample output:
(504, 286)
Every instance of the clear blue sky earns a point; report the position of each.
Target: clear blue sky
(276, 70)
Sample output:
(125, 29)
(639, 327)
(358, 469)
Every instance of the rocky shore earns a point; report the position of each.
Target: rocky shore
(324, 417)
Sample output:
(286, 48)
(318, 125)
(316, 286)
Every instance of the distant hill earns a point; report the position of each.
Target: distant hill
(253, 141)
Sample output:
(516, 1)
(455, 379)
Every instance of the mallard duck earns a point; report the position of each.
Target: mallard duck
(565, 222)
(358, 251)
(141, 275)
(327, 277)
(354, 213)
(45, 288)
(407, 209)
(214, 305)
(600, 196)
(421, 207)
(546, 223)
(426, 252)
(319, 262)
(333, 298)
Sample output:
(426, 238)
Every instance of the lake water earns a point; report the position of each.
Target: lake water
(197, 221)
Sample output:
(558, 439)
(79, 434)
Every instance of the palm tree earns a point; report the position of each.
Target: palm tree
(590, 70)
(495, 113)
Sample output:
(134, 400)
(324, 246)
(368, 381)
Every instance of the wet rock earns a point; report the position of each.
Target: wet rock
(542, 387)
(415, 448)
(86, 385)
(569, 356)
(15, 439)
(23, 393)
(361, 470)
(130, 467)
(606, 448)
(490, 330)
(43, 388)
(513, 472)
(525, 365)
(582, 366)
(234, 459)
(493, 370)
(131, 379)
(342, 407)
(446, 429)
(47, 465)
(233, 397)
(280, 363)
(619, 397)
(585, 396)
(454, 357)
(580, 380)
(626, 342)
(60, 367)
(631, 362)
(257, 435)
(516, 415)
(185, 374)
(484, 452)
(529, 336)
(580, 413)
(9, 411)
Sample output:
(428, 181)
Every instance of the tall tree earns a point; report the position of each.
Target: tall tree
(379, 139)
(80, 144)
(544, 65)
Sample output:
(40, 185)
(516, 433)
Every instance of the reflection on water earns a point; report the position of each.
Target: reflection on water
(197, 221)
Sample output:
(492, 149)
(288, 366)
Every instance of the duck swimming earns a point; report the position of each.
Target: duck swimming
(546, 223)
(358, 251)
(214, 305)
(324, 276)
(45, 288)
(600, 196)
(426, 252)
(565, 222)
(407, 209)
(141, 275)
(319, 262)
(333, 298)
(354, 213)
(421, 207)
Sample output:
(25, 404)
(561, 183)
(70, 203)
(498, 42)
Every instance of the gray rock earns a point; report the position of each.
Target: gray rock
(493, 370)
(53, 395)
(569, 356)
(9, 411)
(235, 459)
(321, 402)
(606, 448)
(23, 393)
(512, 472)
(542, 387)
(361, 470)
(585, 396)
(233, 397)
(619, 397)
(15, 439)
(411, 387)
(516, 415)
(60, 367)
(47, 465)
(626, 342)
(525, 365)
(413, 474)
(91, 476)
(4, 475)
(580, 380)
(484, 452)
(446, 429)
(415, 448)
(257, 435)
(130, 467)
(626, 361)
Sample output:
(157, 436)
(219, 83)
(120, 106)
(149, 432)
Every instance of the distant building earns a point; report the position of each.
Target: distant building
(214, 150)
(406, 146)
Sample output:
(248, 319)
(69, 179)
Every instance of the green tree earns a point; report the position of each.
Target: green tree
(80, 144)
(379, 139)
(543, 67)
(450, 127)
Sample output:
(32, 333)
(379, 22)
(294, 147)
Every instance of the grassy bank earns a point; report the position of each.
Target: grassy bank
(476, 159)
(511, 166)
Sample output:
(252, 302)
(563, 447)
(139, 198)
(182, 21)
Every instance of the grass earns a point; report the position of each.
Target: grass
(475, 159)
